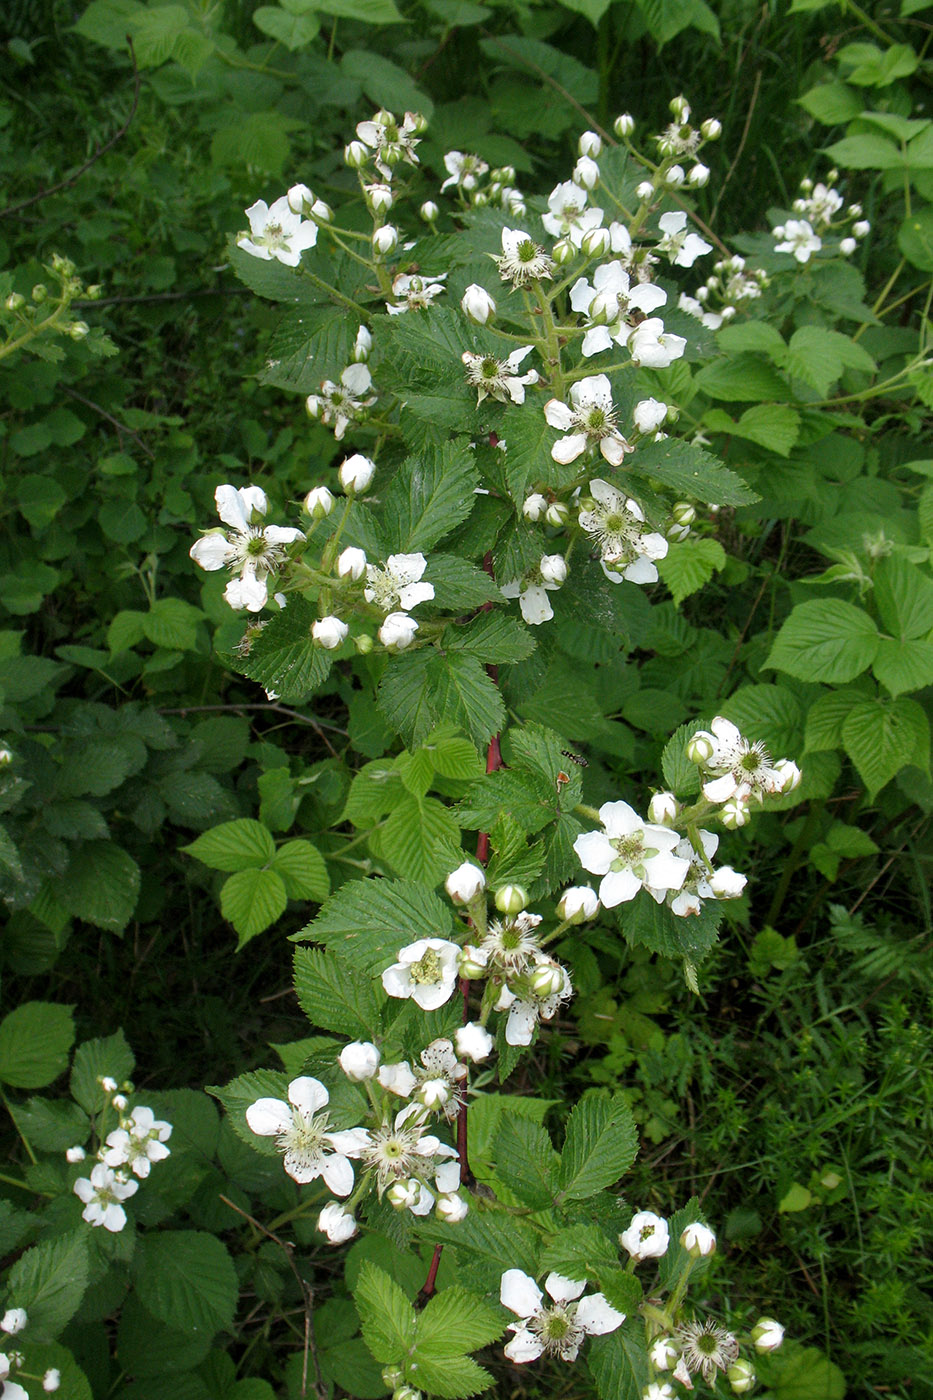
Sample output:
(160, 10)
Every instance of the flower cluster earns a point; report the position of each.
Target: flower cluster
(127, 1152)
(13, 1322)
(725, 292)
(821, 210)
(737, 770)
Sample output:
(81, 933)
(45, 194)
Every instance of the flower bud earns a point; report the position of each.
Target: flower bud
(847, 247)
(553, 568)
(767, 1334)
(663, 1353)
(741, 1376)
(75, 1154)
(789, 775)
(319, 502)
(586, 173)
(120, 1102)
(313, 405)
(329, 632)
(511, 899)
(13, 1321)
(300, 199)
(675, 176)
(385, 240)
(480, 199)
(711, 129)
(363, 643)
(392, 1376)
(362, 346)
(727, 883)
(351, 563)
(337, 1223)
(645, 190)
(472, 963)
(861, 228)
(676, 533)
(39, 293)
(595, 242)
(465, 883)
(406, 1392)
(535, 506)
(578, 904)
(79, 330)
(356, 154)
(556, 513)
(359, 1060)
(700, 747)
(356, 473)
(563, 252)
(547, 980)
(14, 301)
(380, 197)
(403, 1194)
(663, 809)
(680, 107)
(416, 123)
(734, 814)
(473, 1042)
(398, 631)
(51, 1379)
(683, 512)
(698, 1240)
(624, 125)
(477, 304)
(590, 145)
(433, 1093)
(649, 414)
(451, 1208)
(698, 176)
(429, 211)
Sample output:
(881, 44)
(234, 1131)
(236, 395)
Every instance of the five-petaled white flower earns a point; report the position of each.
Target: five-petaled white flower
(647, 1237)
(627, 547)
(555, 1328)
(398, 583)
(706, 1347)
(138, 1143)
(682, 248)
(630, 853)
(426, 971)
(390, 140)
(743, 766)
(102, 1194)
(608, 302)
(251, 551)
(463, 170)
(522, 260)
(301, 1131)
(797, 237)
(532, 590)
(499, 379)
(589, 420)
(568, 216)
(277, 232)
(414, 293)
(339, 404)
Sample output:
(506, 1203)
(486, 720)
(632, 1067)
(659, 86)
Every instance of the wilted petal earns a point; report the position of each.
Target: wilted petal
(523, 1017)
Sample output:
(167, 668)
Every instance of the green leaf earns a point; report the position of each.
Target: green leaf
(303, 871)
(252, 901)
(819, 357)
(366, 12)
(106, 21)
(752, 335)
(601, 1144)
(807, 1374)
(283, 657)
(691, 472)
(774, 426)
(404, 696)
(682, 776)
(650, 925)
(172, 623)
(420, 839)
(52, 1125)
(455, 1321)
(34, 1043)
(428, 497)
(825, 640)
(525, 1161)
(826, 717)
(368, 921)
(491, 1237)
(904, 597)
(618, 1362)
(186, 1279)
(101, 886)
(592, 9)
(448, 1377)
(334, 996)
(832, 102)
(741, 379)
(689, 565)
(109, 1056)
(580, 1252)
(493, 637)
(865, 153)
(903, 665)
(294, 31)
(238, 845)
(49, 1282)
(881, 737)
(374, 791)
(258, 139)
(237, 1096)
(771, 713)
(387, 1317)
(97, 766)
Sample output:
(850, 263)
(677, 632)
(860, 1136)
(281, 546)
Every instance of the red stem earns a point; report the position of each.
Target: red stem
(428, 1289)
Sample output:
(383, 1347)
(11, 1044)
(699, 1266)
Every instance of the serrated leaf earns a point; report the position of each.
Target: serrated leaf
(771, 713)
(52, 1125)
(109, 1056)
(334, 996)
(690, 564)
(904, 597)
(428, 497)
(238, 845)
(825, 640)
(579, 1252)
(525, 1161)
(601, 1144)
(826, 717)
(618, 1363)
(49, 1281)
(682, 776)
(252, 900)
(458, 584)
(449, 1377)
(455, 1321)
(463, 695)
(882, 737)
(493, 637)
(303, 870)
(101, 885)
(420, 839)
(691, 472)
(186, 1279)
(405, 699)
(370, 920)
(490, 1236)
(374, 791)
(283, 658)
(387, 1317)
(649, 925)
(35, 1040)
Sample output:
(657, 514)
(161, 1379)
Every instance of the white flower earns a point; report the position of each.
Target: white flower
(767, 1334)
(451, 1208)
(138, 1143)
(798, 238)
(102, 1194)
(522, 259)
(398, 631)
(463, 170)
(548, 987)
(555, 1328)
(628, 854)
(682, 248)
(653, 347)
(403, 1153)
(499, 379)
(578, 904)
(340, 404)
(473, 1042)
(568, 216)
(589, 419)
(586, 173)
(319, 502)
(609, 301)
(701, 881)
(277, 232)
(744, 767)
(477, 304)
(707, 1348)
(532, 591)
(627, 547)
(14, 1320)
(398, 583)
(647, 1237)
(12, 1390)
(414, 293)
(426, 971)
(861, 228)
(465, 883)
(301, 1133)
(351, 563)
(698, 1240)
(51, 1379)
(359, 1060)
(649, 414)
(356, 472)
(252, 552)
(390, 140)
(663, 1353)
(337, 1223)
(329, 632)
(658, 1390)
(75, 1154)
(107, 1082)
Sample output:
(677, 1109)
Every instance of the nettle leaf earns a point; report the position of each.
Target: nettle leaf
(232, 846)
(370, 920)
(283, 657)
(186, 1279)
(825, 640)
(493, 637)
(690, 564)
(601, 1144)
(49, 1281)
(387, 1317)
(650, 925)
(525, 1162)
(455, 1321)
(428, 497)
(34, 1043)
(881, 737)
(252, 901)
(334, 996)
(692, 473)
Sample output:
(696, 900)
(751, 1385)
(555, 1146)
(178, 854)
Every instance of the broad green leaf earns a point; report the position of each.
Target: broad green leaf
(107, 21)
(881, 737)
(303, 870)
(752, 335)
(689, 565)
(238, 845)
(34, 1043)
(258, 139)
(691, 472)
(428, 497)
(387, 1317)
(903, 665)
(49, 1281)
(741, 379)
(252, 901)
(294, 31)
(865, 153)
(453, 756)
(455, 1321)
(580, 1252)
(682, 776)
(492, 637)
(601, 1144)
(771, 713)
(368, 921)
(463, 695)
(525, 1161)
(448, 1377)
(383, 81)
(172, 623)
(459, 586)
(108, 1057)
(825, 640)
(618, 1362)
(405, 699)
(374, 791)
(826, 717)
(99, 765)
(592, 9)
(832, 102)
(186, 1279)
(420, 839)
(649, 925)
(904, 597)
(311, 343)
(52, 1125)
(334, 996)
(819, 357)
(283, 657)
(775, 426)
(807, 1374)
(667, 18)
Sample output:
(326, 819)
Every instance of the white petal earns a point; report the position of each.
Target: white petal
(307, 1094)
(282, 534)
(535, 606)
(641, 570)
(429, 996)
(619, 819)
(606, 494)
(568, 449)
(338, 1174)
(647, 298)
(594, 852)
(447, 1177)
(666, 871)
(618, 887)
(232, 508)
(397, 980)
(563, 1290)
(519, 1293)
(581, 294)
(613, 449)
(258, 215)
(596, 1317)
(267, 1117)
(248, 592)
(414, 593)
(720, 789)
(558, 415)
(350, 1142)
(212, 551)
(596, 340)
(523, 1017)
(592, 389)
(524, 1346)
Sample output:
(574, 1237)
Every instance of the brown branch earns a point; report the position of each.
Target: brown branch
(429, 1288)
(100, 151)
(736, 158)
(120, 427)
